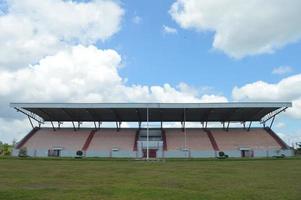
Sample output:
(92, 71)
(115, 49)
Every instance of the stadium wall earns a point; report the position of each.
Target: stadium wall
(113, 150)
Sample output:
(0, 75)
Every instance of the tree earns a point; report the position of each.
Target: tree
(6, 150)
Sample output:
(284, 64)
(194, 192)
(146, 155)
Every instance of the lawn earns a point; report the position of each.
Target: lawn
(172, 179)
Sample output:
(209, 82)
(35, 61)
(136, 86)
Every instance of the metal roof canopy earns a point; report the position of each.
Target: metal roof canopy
(137, 112)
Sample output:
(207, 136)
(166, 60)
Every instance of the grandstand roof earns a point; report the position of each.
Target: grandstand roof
(137, 112)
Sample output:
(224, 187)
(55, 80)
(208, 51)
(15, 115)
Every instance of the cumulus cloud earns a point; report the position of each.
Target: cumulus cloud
(288, 89)
(13, 129)
(242, 28)
(169, 30)
(85, 74)
(32, 29)
(282, 70)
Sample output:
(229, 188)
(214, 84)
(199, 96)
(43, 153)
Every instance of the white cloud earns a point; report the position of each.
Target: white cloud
(282, 70)
(170, 30)
(290, 137)
(85, 74)
(288, 89)
(240, 27)
(32, 29)
(280, 125)
(137, 20)
(13, 129)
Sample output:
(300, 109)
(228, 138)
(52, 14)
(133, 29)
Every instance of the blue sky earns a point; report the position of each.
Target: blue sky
(187, 56)
(113, 51)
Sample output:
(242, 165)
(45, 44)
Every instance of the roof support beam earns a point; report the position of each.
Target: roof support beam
(272, 115)
(227, 129)
(73, 126)
(53, 126)
(30, 121)
(272, 121)
(249, 125)
(30, 115)
(118, 125)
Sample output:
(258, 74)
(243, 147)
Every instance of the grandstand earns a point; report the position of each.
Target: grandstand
(147, 141)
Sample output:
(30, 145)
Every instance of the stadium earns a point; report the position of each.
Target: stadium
(150, 100)
(143, 140)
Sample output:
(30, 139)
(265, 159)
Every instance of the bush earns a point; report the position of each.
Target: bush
(5, 149)
(23, 152)
(222, 155)
(79, 153)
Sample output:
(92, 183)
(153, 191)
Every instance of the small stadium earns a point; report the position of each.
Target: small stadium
(150, 100)
(150, 160)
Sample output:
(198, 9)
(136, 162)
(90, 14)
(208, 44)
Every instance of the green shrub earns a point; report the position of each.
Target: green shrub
(23, 152)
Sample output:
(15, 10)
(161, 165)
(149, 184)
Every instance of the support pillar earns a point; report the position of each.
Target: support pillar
(147, 133)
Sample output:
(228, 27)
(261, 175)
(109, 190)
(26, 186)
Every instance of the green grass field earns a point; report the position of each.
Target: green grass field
(172, 179)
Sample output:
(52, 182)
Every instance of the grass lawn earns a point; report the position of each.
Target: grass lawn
(172, 179)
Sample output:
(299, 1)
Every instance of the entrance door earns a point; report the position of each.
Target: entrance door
(246, 153)
(152, 153)
(54, 152)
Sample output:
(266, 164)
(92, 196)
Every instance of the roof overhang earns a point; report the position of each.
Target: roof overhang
(137, 112)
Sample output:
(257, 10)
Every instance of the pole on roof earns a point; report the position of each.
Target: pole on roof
(147, 134)
(30, 121)
(184, 127)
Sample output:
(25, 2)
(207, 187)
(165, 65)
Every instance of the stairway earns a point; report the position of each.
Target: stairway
(89, 139)
(212, 140)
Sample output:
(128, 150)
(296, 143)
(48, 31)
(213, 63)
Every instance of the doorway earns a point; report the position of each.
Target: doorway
(247, 153)
(54, 152)
(152, 153)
